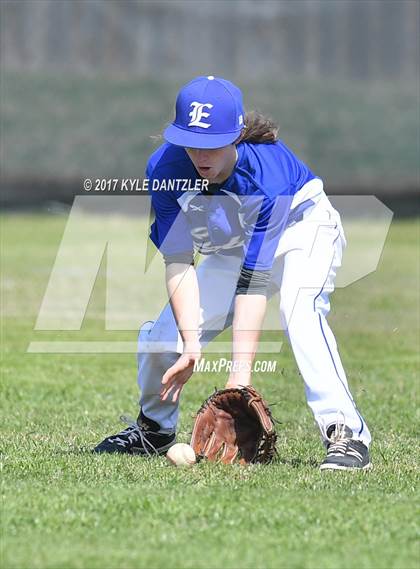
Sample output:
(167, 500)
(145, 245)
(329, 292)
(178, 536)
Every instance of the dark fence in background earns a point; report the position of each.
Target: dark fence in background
(86, 82)
(361, 39)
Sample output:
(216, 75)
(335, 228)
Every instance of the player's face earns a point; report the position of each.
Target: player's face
(215, 164)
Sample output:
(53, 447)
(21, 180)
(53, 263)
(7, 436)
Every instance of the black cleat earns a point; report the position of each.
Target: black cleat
(140, 437)
(343, 452)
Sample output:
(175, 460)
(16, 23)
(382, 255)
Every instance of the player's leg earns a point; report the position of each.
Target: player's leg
(307, 276)
(160, 345)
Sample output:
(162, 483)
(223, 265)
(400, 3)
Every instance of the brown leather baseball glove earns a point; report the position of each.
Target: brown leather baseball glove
(234, 423)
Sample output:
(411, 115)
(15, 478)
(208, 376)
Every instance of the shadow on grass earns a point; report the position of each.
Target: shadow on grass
(76, 451)
(296, 462)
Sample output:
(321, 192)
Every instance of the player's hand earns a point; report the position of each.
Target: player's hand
(241, 376)
(177, 375)
(237, 383)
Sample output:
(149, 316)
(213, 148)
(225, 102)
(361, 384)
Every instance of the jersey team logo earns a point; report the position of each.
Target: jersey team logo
(198, 113)
(196, 207)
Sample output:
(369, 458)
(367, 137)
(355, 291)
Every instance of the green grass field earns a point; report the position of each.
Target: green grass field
(65, 508)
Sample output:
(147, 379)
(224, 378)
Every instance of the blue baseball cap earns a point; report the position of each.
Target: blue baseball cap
(208, 114)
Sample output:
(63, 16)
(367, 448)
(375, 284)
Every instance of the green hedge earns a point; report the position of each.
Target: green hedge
(355, 134)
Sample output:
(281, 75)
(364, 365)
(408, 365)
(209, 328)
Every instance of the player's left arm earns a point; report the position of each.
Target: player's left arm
(251, 292)
(249, 312)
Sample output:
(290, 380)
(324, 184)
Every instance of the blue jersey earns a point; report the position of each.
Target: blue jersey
(249, 211)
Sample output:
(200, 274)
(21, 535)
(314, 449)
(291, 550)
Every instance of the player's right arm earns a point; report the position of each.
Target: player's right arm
(171, 234)
(183, 291)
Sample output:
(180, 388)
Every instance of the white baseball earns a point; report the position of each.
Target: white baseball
(181, 454)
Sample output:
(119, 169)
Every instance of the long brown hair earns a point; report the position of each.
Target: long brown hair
(259, 129)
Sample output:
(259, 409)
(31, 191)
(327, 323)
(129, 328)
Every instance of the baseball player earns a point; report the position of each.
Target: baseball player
(262, 222)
